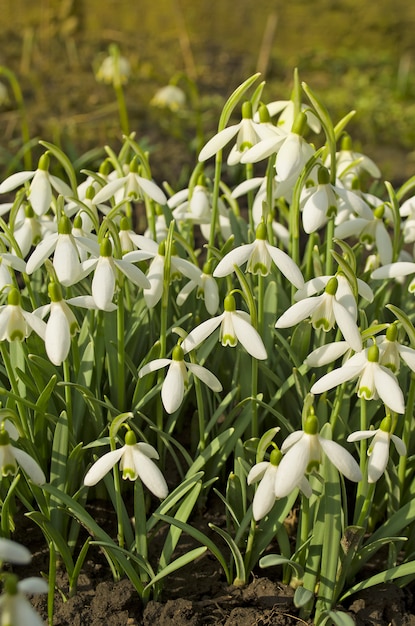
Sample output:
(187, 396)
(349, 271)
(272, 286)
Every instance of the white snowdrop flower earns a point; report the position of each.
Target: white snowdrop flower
(374, 380)
(392, 352)
(303, 451)
(294, 152)
(15, 322)
(396, 270)
(115, 69)
(234, 326)
(169, 97)
(9, 260)
(15, 609)
(259, 256)
(324, 311)
(286, 111)
(266, 472)
(135, 462)
(40, 189)
(247, 133)
(350, 164)
(27, 231)
(12, 457)
(130, 187)
(177, 379)
(378, 451)
(206, 288)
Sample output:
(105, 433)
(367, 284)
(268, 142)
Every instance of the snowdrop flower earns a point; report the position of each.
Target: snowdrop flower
(266, 472)
(9, 260)
(391, 351)
(259, 256)
(27, 231)
(378, 451)
(294, 152)
(247, 132)
(40, 190)
(155, 275)
(11, 457)
(135, 462)
(105, 274)
(169, 97)
(130, 187)
(206, 288)
(375, 381)
(396, 270)
(15, 609)
(350, 164)
(369, 231)
(15, 322)
(114, 69)
(13, 552)
(234, 326)
(324, 310)
(66, 256)
(286, 108)
(303, 451)
(177, 379)
(196, 207)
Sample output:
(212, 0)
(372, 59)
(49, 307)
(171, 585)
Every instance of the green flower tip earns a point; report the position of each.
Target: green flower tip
(130, 438)
(64, 226)
(201, 181)
(54, 291)
(264, 116)
(247, 110)
(124, 223)
(373, 354)
(90, 192)
(311, 424)
(299, 124)
(323, 176)
(10, 584)
(44, 162)
(77, 222)
(229, 304)
(392, 332)
(4, 437)
(331, 286)
(29, 212)
(134, 164)
(162, 248)
(386, 424)
(177, 354)
(261, 231)
(346, 143)
(13, 297)
(379, 212)
(275, 457)
(207, 268)
(104, 169)
(105, 249)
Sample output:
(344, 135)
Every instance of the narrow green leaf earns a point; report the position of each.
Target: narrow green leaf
(241, 575)
(183, 560)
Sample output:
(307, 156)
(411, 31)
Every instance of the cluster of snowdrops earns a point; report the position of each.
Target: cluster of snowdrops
(256, 337)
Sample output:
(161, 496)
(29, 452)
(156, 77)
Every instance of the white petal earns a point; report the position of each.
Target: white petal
(311, 287)
(351, 228)
(205, 376)
(147, 449)
(327, 353)
(383, 243)
(15, 180)
(264, 497)
(33, 584)
(40, 192)
(133, 273)
(155, 275)
(35, 324)
(292, 468)
(257, 472)
(399, 445)
(379, 456)
(248, 336)
(150, 474)
(291, 440)
(341, 458)
(29, 465)
(103, 283)
(218, 142)
(66, 261)
(335, 378)
(394, 270)
(57, 335)
(172, 391)
(41, 252)
(200, 333)
(388, 389)
(361, 434)
(103, 466)
(109, 190)
(298, 312)
(152, 190)
(238, 257)
(347, 326)
(13, 552)
(286, 266)
(153, 366)
(263, 149)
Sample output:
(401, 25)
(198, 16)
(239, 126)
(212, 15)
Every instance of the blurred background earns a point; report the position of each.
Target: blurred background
(354, 54)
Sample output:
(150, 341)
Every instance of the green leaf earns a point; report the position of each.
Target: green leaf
(233, 100)
(387, 575)
(302, 596)
(183, 560)
(271, 560)
(241, 574)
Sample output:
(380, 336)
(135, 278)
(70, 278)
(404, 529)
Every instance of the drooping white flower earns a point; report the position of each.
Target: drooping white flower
(130, 187)
(206, 288)
(259, 256)
(177, 379)
(15, 322)
(115, 69)
(40, 190)
(350, 164)
(375, 380)
(13, 552)
(378, 451)
(11, 457)
(169, 97)
(234, 326)
(266, 472)
(248, 133)
(15, 609)
(27, 231)
(135, 462)
(9, 260)
(392, 352)
(303, 451)
(324, 310)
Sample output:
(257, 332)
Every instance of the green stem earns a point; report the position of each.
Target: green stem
(141, 545)
(362, 487)
(406, 434)
(214, 220)
(121, 351)
(15, 389)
